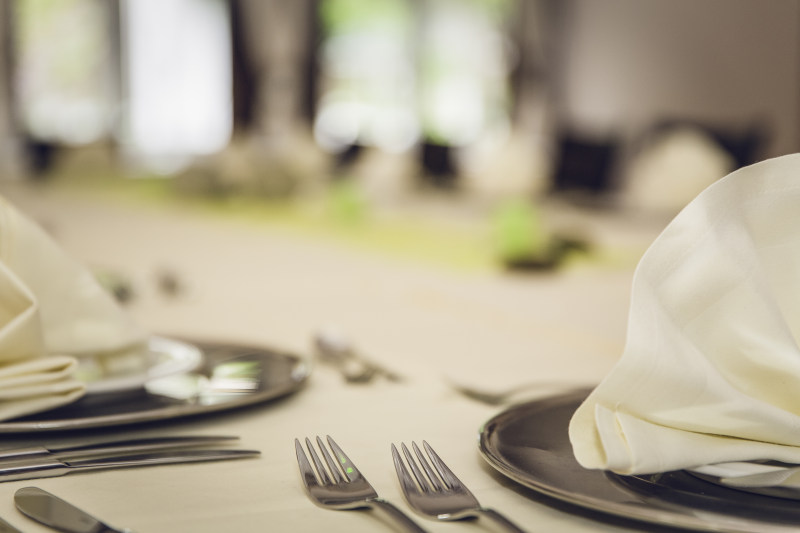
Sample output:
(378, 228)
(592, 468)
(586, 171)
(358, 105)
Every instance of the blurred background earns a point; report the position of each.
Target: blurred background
(526, 119)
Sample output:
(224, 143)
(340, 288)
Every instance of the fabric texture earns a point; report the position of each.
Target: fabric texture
(710, 372)
(52, 310)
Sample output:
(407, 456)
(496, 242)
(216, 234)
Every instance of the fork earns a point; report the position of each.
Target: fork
(341, 486)
(333, 346)
(440, 494)
(514, 393)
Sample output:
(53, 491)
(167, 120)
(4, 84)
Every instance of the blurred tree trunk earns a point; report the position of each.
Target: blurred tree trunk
(535, 29)
(11, 164)
(272, 152)
(274, 66)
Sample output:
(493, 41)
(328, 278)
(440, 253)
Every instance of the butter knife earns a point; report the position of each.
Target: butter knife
(54, 512)
(115, 447)
(52, 467)
(5, 527)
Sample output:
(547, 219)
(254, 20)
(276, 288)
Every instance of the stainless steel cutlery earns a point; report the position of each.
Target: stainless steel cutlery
(49, 461)
(341, 486)
(513, 394)
(334, 347)
(5, 527)
(430, 487)
(438, 493)
(56, 513)
(116, 447)
(40, 462)
(329, 476)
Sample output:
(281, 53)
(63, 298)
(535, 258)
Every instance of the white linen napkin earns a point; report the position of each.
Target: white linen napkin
(711, 368)
(52, 310)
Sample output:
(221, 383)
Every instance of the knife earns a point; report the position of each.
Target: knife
(5, 527)
(117, 447)
(52, 467)
(54, 512)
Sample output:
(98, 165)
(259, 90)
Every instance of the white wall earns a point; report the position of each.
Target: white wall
(627, 63)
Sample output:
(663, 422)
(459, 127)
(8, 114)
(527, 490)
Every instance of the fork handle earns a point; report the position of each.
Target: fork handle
(500, 520)
(395, 514)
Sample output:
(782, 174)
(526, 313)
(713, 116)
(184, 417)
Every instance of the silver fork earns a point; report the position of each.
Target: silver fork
(341, 486)
(440, 494)
(520, 392)
(334, 347)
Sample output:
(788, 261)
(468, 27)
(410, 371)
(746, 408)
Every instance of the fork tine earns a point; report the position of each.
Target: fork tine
(347, 465)
(306, 470)
(404, 476)
(437, 485)
(422, 481)
(323, 473)
(335, 471)
(351, 494)
(446, 474)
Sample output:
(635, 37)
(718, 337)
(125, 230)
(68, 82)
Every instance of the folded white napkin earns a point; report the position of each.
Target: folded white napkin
(37, 385)
(711, 368)
(52, 310)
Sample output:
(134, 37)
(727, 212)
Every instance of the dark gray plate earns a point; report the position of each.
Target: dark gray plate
(231, 377)
(529, 444)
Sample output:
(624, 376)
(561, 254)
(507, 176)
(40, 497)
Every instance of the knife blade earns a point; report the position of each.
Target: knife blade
(115, 447)
(5, 527)
(51, 467)
(52, 511)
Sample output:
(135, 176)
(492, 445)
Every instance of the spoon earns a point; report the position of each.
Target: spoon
(334, 347)
(513, 393)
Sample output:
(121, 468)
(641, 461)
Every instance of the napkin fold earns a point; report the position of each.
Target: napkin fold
(710, 372)
(38, 385)
(52, 311)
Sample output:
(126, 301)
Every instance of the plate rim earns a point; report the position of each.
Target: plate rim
(299, 375)
(194, 358)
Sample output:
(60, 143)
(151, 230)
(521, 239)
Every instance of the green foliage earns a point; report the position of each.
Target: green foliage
(347, 203)
(343, 15)
(518, 231)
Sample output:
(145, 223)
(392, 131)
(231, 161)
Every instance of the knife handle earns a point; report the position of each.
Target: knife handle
(33, 469)
(41, 467)
(111, 447)
(23, 453)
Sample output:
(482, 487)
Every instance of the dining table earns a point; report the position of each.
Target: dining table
(273, 288)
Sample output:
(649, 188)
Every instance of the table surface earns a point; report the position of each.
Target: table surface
(268, 287)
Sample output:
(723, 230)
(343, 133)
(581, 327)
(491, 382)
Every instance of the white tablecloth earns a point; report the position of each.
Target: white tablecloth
(271, 287)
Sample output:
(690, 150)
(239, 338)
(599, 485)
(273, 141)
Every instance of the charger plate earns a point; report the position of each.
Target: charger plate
(229, 377)
(529, 444)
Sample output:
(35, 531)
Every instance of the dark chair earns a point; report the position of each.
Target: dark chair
(584, 164)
